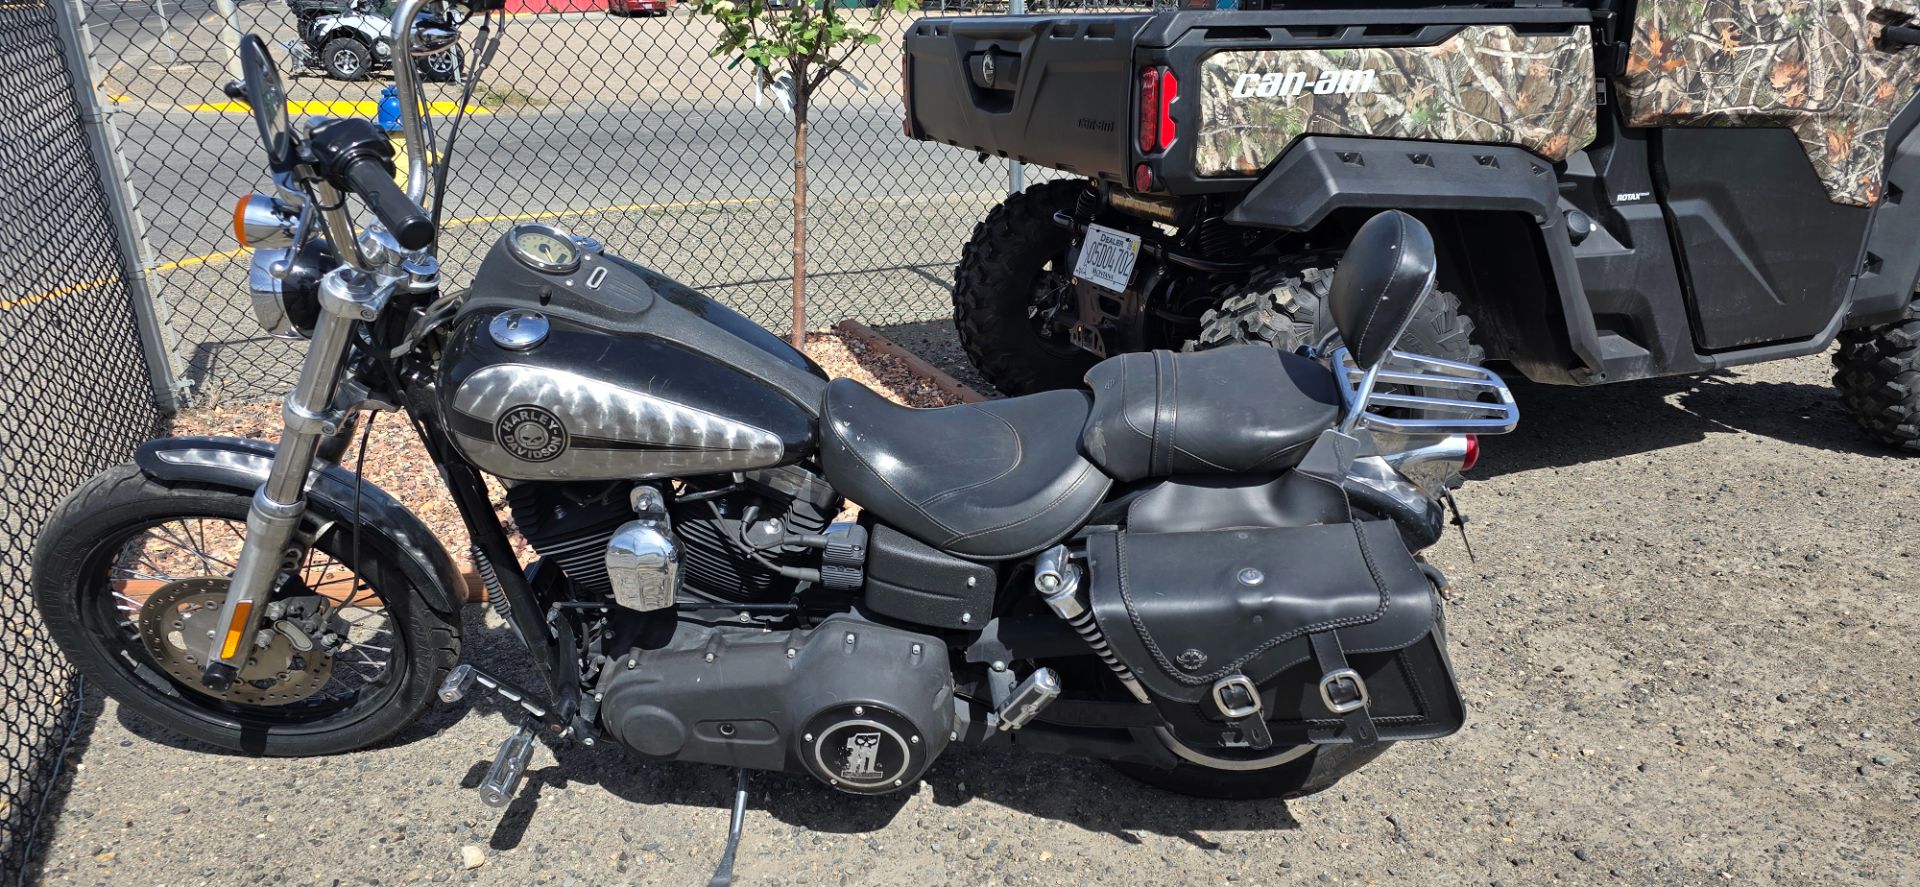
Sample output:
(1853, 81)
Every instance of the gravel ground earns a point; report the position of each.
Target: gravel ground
(1686, 645)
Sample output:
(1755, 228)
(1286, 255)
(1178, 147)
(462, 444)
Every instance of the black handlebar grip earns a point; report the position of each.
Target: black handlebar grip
(410, 225)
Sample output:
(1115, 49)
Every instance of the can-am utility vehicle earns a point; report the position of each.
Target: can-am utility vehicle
(1619, 190)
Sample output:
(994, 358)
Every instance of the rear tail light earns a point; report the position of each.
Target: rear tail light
(1473, 453)
(1142, 178)
(1158, 91)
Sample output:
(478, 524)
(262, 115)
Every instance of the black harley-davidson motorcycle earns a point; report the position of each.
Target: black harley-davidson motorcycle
(1202, 568)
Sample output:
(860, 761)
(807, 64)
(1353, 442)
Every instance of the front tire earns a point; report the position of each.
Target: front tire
(1877, 371)
(1013, 274)
(89, 588)
(344, 58)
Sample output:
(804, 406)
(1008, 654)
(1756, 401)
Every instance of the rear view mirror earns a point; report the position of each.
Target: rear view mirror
(1386, 272)
(267, 96)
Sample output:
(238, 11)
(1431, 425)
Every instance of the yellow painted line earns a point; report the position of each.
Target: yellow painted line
(62, 292)
(50, 295)
(331, 109)
(200, 260)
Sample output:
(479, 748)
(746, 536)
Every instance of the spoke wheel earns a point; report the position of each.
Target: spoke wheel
(167, 581)
(130, 576)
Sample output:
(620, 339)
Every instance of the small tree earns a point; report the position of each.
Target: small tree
(807, 40)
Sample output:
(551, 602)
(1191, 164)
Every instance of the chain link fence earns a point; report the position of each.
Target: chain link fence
(616, 125)
(74, 389)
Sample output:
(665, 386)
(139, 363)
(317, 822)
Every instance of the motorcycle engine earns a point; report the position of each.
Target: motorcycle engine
(862, 707)
(571, 524)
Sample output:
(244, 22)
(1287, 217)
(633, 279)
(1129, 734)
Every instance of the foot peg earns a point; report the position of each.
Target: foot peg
(1038, 691)
(463, 677)
(509, 768)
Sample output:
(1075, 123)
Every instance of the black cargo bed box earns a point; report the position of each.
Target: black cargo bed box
(1060, 90)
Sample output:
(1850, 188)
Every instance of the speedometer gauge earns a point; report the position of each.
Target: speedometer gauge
(544, 247)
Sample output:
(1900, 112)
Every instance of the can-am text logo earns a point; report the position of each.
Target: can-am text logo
(1287, 84)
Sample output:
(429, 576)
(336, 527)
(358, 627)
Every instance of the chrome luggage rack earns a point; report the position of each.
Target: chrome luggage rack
(1483, 405)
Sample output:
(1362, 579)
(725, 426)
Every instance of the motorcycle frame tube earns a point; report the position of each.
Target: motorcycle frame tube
(348, 296)
(552, 643)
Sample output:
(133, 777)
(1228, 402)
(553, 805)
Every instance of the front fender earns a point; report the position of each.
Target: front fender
(241, 465)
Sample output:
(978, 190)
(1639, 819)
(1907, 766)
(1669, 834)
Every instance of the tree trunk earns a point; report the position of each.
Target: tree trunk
(800, 97)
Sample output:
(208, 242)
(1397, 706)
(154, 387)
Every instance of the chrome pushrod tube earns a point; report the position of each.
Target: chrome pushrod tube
(406, 81)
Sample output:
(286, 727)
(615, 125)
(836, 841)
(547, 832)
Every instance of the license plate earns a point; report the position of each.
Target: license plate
(1107, 258)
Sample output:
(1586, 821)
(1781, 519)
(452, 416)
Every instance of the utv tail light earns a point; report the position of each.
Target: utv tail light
(1158, 90)
(1473, 453)
(1142, 178)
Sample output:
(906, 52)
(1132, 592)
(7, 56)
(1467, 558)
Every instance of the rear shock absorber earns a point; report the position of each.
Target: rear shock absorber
(1057, 579)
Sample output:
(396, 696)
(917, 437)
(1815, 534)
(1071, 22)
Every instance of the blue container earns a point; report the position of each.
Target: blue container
(389, 118)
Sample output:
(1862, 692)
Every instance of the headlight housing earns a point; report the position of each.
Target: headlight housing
(288, 305)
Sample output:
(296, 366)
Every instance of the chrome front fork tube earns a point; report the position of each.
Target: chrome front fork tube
(348, 297)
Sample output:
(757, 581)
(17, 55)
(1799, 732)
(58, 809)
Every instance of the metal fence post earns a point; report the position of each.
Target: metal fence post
(156, 336)
(1017, 177)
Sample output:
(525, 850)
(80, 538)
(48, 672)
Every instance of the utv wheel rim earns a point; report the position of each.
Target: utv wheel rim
(346, 62)
(1188, 753)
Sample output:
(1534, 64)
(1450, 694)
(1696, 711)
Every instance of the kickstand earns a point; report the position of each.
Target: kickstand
(723, 875)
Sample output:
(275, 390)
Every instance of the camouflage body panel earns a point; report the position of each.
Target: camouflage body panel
(1808, 65)
(1483, 84)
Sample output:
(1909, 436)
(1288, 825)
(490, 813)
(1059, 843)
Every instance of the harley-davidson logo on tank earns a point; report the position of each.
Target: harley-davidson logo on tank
(529, 422)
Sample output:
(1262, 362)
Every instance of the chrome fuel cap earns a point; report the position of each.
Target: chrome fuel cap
(518, 330)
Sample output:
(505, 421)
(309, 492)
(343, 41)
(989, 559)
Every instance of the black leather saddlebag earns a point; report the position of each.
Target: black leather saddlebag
(1202, 617)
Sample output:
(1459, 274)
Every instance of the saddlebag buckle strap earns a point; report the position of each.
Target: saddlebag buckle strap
(1239, 700)
(1236, 696)
(1342, 689)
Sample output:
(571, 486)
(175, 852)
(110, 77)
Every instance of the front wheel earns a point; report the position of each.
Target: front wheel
(1877, 371)
(130, 575)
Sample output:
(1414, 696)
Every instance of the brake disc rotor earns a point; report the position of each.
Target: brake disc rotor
(180, 620)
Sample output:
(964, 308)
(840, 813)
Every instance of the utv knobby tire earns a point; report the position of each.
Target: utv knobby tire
(1312, 773)
(334, 56)
(68, 562)
(1280, 306)
(1878, 375)
(995, 285)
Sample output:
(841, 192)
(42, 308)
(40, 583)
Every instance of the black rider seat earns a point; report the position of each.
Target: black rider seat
(991, 480)
(1248, 409)
(1007, 478)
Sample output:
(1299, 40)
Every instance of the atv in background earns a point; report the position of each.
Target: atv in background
(1619, 190)
(347, 39)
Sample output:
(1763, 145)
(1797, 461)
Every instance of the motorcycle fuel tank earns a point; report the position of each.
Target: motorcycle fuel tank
(568, 364)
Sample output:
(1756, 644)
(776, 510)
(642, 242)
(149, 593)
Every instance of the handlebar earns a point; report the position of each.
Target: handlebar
(410, 225)
(355, 156)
